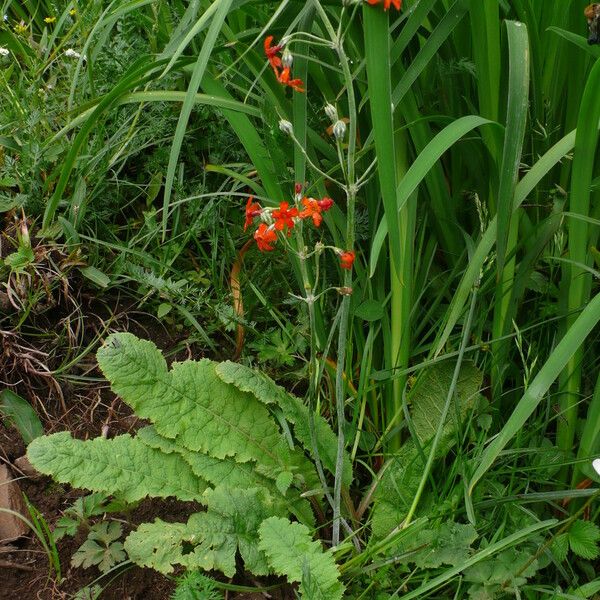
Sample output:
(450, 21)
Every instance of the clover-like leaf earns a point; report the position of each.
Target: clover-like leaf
(101, 548)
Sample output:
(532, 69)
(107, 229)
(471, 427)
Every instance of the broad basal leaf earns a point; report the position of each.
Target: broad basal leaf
(210, 539)
(158, 545)
(227, 472)
(292, 552)
(123, 466)
(191, 403)
(399, 483)
(429, 396)
(268, 392)
(396, 490)
(447, 544)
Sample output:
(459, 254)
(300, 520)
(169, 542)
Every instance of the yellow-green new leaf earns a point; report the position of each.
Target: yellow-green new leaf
(190, 403)
(123, 466)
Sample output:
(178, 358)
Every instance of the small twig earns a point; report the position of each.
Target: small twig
(5, 564)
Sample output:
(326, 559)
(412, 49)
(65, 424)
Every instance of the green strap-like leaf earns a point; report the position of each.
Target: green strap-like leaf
(377, 54)
(419, 169)
(123, 466)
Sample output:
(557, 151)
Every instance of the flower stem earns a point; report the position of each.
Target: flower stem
(350, 189)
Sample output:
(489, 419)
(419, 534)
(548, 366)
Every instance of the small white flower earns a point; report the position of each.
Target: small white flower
(339, 130)
(286, 127)
(70, 53)
(331, 112)
(4, 51)
(596, 465)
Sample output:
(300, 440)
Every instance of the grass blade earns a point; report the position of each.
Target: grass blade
(222, 8)
(377, 47)
(556, 362)
(419, 169)
(576, 282)
(539, 170)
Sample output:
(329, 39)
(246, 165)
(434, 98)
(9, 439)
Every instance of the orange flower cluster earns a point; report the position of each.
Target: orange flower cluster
(281, 71)
(284, 218)
(397, 4)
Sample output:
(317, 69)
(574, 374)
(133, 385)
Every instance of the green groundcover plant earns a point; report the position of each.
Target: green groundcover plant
(228, 437)
(420, 183)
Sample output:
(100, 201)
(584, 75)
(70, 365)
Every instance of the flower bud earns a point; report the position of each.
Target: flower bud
(339, 129)
(331, 112)
(287, 58)
(325, 203)
(286, 127)
(344, 291)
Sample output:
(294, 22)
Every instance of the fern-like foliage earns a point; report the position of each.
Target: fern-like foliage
(215, 439)
(397, 488)
(195, 586)
(292, 552)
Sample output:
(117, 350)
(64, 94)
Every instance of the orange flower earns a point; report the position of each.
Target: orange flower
(265, 236)
(386, 3)
(347, 259)
(295, 84)
(271, 53)
(313, 209)
(252, 210)
(284, 217)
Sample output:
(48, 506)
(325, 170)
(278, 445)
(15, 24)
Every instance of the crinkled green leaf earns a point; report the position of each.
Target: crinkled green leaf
(283, 482)
(227, 472)
(123, 465)
(510, 568)
(158, 545)
(210, 539)
(395, 492)
(583, 539)
(429, 396)
(190, 403)
(294, 410)
(292, 552)
(447, 544)
(400, 481)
